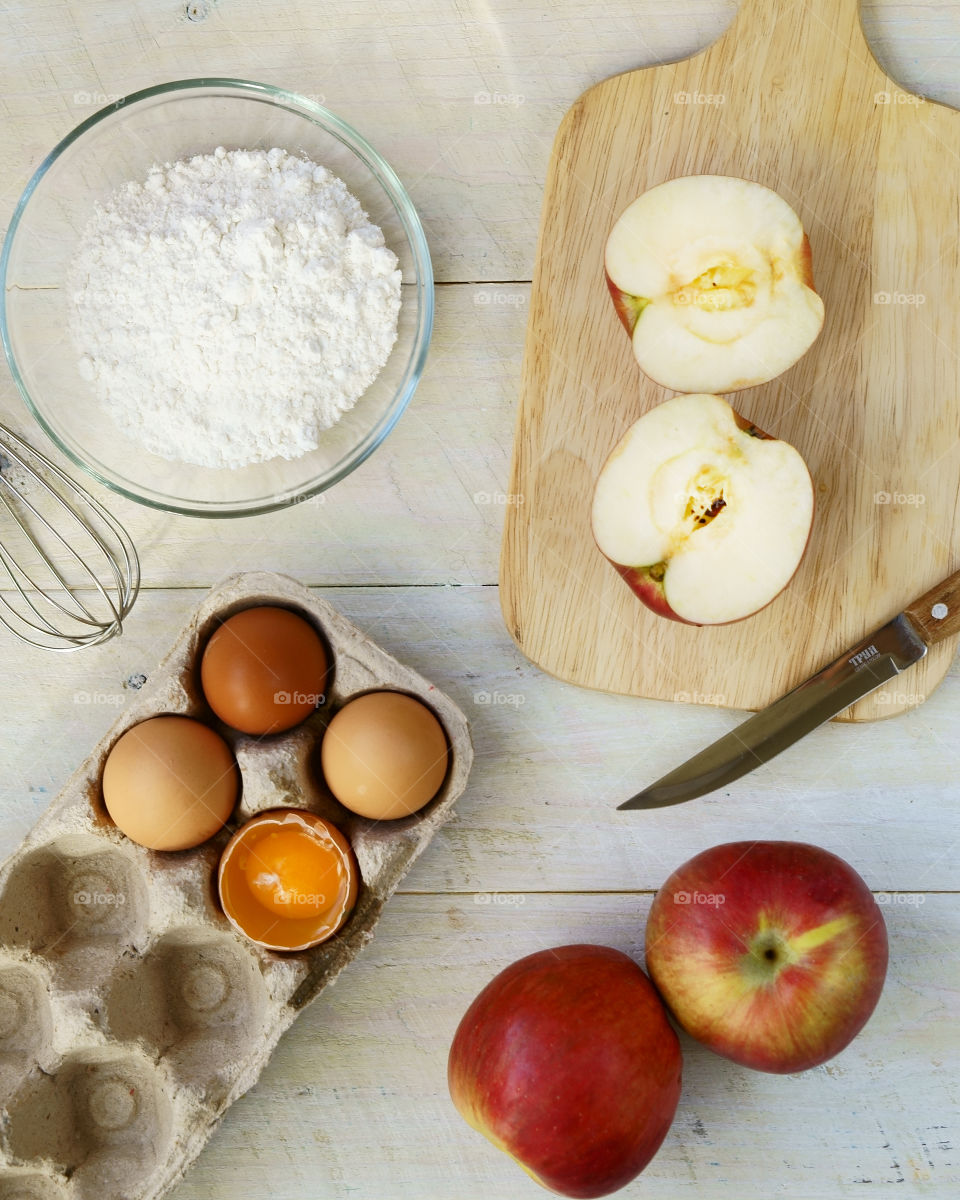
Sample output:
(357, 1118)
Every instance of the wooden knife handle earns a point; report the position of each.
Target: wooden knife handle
(937, 614)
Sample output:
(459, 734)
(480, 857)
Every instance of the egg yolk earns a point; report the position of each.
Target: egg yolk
(288, 880)
(293, 873)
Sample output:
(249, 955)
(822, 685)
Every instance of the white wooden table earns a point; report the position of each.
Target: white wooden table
(354, 1103)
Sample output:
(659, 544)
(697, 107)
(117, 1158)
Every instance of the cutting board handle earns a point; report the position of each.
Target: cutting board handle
(790, 20)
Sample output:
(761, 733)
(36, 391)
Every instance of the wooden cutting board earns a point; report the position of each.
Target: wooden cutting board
(790, 96)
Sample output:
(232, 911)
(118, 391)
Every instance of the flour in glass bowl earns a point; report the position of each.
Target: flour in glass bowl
(232, 306)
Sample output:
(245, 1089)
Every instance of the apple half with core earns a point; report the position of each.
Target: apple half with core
(566, 1061)
(773, 954)
(705, 517)
(713, 281)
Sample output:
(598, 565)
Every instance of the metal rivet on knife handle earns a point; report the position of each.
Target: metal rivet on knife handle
(937, 614)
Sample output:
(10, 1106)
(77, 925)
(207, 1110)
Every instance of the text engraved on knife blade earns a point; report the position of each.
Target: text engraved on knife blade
(862, 656)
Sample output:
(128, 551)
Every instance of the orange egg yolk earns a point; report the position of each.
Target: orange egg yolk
(292, 873)
(288, 880)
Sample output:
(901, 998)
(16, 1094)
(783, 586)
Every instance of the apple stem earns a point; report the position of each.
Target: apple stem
(767, 954)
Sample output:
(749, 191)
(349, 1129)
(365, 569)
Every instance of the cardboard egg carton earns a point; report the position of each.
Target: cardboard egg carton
(131, 1013)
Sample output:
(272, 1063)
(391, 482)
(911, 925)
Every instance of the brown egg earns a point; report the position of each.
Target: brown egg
(384, 755)
(264, 670)
(170, 783)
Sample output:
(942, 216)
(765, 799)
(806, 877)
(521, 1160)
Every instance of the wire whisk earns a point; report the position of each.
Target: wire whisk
(73, 567)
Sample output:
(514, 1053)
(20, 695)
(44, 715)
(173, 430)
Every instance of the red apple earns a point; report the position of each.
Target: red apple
(566, 1060)
(713, 280)
(705, 517)
(772, 954)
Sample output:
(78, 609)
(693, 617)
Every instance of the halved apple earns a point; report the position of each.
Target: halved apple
(713, 281)
(705, 516)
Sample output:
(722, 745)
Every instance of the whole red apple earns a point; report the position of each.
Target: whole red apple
(566, 1060)
(772, 954)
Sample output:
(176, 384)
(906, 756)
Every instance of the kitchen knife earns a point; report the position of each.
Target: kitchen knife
(856, 673)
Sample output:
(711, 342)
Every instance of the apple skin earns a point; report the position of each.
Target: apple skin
(630, 308)
(651, 593)
(805, 264)
(567, 1061)
(783, 973)
(647, 583)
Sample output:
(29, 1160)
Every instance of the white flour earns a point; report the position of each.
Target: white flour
(233, 306)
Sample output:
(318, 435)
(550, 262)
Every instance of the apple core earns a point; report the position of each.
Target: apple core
(711, 277)
(705, 517)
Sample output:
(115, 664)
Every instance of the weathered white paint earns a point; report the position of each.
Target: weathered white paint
(354, 1102)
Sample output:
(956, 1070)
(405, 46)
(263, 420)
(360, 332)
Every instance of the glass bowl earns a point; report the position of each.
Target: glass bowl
(120, 143)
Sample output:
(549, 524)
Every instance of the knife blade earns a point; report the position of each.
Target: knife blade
(881, 656)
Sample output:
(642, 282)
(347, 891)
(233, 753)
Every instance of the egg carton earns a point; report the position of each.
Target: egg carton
(132, 1015)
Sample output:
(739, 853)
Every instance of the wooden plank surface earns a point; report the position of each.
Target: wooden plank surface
(354, 1103)
(874, 175)
(552, 761)
(357, 1090)
(437, 484)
